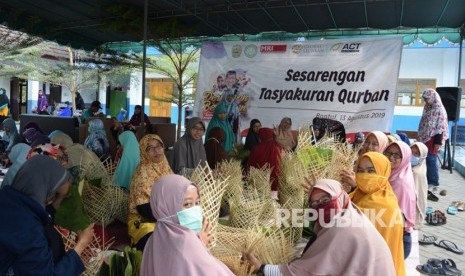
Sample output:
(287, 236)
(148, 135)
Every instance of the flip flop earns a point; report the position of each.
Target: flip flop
(427, 239)
(447, 264)
(450, 246)
(429, 210)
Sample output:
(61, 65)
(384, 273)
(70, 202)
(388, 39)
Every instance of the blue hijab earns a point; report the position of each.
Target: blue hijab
(229, 137)
(17, 157)
(129, 160)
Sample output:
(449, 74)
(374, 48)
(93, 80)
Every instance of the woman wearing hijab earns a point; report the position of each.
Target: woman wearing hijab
(17, 157)
(179, 234)
(403, 185)
(220, 120)
(338, 221)
(215, 153)
(267, 153)
(374, 194)
(129, 160)
(188, 152)
(419, 153)
(152, 166)
(97, 140)
(433, 131)
(375, 141)
(283, 134)
(25, 248)
(78, 155)
(252, 135)
(10, 136)
(35, 137)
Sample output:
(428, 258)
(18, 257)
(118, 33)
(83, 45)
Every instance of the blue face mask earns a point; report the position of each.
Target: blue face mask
(191, 218)
(415, 161)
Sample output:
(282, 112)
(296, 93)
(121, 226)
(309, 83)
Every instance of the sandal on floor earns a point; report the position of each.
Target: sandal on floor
(432, 196)
(427, 239)
(429, 210)
(450, 246)
(460, 206)
(436, 218)
(447, 264)
(429, 269)
(452, 210)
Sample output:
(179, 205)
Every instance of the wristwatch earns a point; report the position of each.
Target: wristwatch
(261, 270)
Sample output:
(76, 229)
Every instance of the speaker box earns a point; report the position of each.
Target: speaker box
(450, 97)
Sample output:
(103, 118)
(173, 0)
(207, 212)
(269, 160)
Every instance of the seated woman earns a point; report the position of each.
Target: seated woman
(152, 166)
(17, 157)
(23, 214)
(252, 135)
(136, 119)
(78, 155)
(215, 153)
(97, 140)
(180, 233)
(220, 120)
(130, 159)
(403, 185)
(419, 154)
(35, 137)
(374, 193)
(268, 153)
(188, 152)
(10, 136)
(284, 136)
(346, 243)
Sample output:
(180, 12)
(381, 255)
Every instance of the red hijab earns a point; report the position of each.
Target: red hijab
(268, 152)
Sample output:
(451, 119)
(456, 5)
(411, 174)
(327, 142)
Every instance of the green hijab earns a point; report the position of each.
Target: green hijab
(229, 137)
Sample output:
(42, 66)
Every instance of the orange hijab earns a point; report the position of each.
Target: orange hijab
(376, 198)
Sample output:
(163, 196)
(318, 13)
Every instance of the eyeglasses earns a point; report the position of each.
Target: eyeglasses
(158, 147)
(321, 201)
(394, 155)
(198, 129)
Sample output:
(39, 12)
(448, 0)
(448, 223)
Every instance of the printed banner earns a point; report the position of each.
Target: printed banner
(352, 81)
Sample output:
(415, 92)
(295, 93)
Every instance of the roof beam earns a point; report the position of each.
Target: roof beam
(271, 17)
(298, 14)
(442, 12)
(401, 13)
(366, 13)
(331, 13)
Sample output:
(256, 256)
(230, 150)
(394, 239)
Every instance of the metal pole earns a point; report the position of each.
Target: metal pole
(144, 61)
(454, 139)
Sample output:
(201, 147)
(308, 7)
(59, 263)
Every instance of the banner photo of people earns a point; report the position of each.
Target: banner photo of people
(352, 81)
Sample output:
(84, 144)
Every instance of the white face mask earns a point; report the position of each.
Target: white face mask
(415, 161)
(191, 218)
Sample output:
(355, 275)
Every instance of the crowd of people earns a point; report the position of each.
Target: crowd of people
(390, 178)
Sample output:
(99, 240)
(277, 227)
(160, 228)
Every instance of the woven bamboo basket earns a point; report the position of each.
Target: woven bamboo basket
(211, 193)
(259, 179)
(245, 213)
(231, 172)
(120, 202)
(92, 256)
(109, 166)
(343, 159)
(97, 204)
(94, 171)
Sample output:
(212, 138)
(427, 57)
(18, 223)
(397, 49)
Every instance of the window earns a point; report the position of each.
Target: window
(409, 91)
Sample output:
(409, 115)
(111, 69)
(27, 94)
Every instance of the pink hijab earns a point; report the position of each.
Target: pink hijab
(382, 138)
(403, 184)
(174, 249)
(364, 252)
